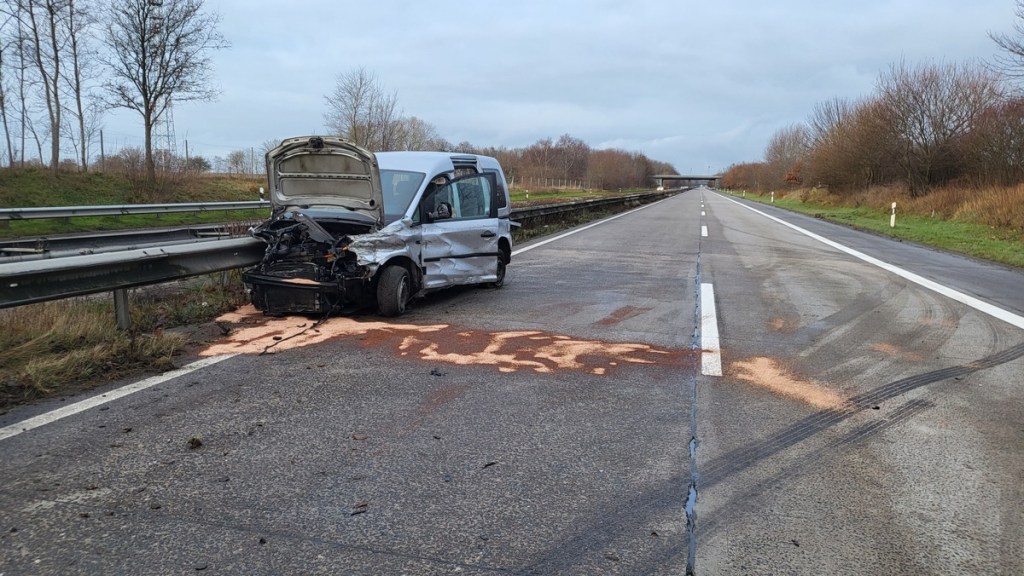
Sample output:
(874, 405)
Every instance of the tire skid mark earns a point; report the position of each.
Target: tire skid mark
(738, 460)
(770, 486)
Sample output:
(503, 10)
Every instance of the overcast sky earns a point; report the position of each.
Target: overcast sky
(700, 85)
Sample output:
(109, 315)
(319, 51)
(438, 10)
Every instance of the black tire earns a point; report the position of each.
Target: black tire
(393, 289)
(501, 274)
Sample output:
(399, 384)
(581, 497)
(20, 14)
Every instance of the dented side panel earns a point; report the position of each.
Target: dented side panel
(459, 252)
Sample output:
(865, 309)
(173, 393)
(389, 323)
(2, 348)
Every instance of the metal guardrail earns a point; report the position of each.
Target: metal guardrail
(526, 214)
(124, 209)
(20, 249)
(33, 281)
(40, 280)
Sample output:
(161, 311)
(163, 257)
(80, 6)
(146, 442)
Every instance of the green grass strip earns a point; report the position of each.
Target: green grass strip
(969, 238)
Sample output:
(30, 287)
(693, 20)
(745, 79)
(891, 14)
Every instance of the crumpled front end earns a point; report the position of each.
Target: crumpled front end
(308, 267)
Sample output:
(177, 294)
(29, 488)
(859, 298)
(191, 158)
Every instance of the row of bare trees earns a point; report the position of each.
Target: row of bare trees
(360, 110)
(570, 159)
(64, 62)
(925, 126)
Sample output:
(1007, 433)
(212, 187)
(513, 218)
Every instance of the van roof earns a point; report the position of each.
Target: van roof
(431, 162)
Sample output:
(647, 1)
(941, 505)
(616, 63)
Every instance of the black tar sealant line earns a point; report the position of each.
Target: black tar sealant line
(691, 497)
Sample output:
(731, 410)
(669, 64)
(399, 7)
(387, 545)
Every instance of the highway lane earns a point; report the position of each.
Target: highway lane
(862, 424)
(543, 428)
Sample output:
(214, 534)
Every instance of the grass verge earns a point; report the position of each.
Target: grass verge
(67, 346)
(990, 242)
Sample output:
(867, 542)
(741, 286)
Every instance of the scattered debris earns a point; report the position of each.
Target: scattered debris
(612, 556)
(795, 542)
(436, 372)
(195, 442)
(359, 436)
(360, 507)
(489, 464)
(263, 541)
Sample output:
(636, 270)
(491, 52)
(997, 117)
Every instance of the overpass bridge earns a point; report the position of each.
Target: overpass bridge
(677, 180)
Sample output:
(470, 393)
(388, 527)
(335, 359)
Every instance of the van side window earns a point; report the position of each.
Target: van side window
(501, 188)
(473, 198)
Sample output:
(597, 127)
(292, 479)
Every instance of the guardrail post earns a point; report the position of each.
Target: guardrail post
(124, 321)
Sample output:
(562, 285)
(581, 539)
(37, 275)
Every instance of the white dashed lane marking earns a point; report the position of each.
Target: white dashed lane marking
(711, 353)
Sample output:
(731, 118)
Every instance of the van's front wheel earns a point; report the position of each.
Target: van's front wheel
(393, 290)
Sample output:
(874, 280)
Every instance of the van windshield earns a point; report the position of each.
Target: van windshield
(399, 187)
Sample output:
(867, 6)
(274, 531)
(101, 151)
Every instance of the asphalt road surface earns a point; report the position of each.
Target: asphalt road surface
(694, 386)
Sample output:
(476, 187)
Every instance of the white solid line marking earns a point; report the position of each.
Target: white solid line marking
(711, 353)
(587, 227)
(54, 415)
(703, 230)
(971, 301)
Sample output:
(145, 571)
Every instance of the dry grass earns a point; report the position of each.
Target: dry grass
(1000, 207)
(66, 345)
(71, 345)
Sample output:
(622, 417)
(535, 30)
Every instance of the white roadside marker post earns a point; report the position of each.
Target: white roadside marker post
(892, 216)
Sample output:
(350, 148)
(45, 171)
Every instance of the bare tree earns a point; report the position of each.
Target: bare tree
(993, 152)
(361, 111)
(413, 133)
(46, 24)
(5, 50)
(785, 153)
(1012, 62)
(159, 55)
(571, 156)
(79, 23)
(238, 162)
(930, 107)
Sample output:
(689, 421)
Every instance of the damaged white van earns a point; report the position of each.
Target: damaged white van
(351, 228)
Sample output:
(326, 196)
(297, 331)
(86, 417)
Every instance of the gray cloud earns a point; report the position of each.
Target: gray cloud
(697, 84)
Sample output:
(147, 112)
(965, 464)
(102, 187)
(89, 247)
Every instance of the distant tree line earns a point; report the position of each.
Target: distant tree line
(926, 126)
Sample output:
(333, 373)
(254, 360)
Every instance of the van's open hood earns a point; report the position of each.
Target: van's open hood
(325, 172)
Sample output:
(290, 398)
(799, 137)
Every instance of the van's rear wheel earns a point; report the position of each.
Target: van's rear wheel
(393, 290)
